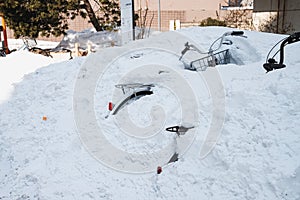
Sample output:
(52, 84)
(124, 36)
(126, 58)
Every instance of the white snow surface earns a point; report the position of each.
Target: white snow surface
(256, 155)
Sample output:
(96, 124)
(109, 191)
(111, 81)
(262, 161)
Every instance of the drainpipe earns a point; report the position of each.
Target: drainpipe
(159, 20)
(140, 12)
(283, 15)
(278, 17)
(133, 20)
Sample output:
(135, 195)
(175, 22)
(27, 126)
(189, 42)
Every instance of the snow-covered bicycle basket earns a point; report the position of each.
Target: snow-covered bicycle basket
(220, 58)
(212, 57)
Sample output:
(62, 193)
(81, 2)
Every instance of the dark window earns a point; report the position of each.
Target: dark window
(234, 3)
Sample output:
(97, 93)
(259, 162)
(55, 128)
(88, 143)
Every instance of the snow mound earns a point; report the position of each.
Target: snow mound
(14, 66)
(89, 37)
(255, 157)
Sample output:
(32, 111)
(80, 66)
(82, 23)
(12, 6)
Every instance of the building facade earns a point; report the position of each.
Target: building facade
(279, 16)
(188, 12)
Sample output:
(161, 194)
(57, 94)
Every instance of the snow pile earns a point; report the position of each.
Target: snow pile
(256, 156)
(96, 40)
(14, 66)
(90, 37)
(17, 44)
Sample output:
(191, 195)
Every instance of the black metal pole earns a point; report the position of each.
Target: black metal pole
(133, 20)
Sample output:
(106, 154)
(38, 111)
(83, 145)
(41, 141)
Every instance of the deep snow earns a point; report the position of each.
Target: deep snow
(255, 157)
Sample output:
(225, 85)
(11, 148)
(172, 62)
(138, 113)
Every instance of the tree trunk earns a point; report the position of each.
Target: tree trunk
(92, 15)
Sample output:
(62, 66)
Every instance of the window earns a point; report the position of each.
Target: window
(234, 3)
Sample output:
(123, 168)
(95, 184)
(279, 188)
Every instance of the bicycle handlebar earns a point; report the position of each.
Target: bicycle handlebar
(272, 63)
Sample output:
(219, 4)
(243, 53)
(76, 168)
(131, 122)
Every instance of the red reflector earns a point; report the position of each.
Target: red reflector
(110, 106)
(159, 169)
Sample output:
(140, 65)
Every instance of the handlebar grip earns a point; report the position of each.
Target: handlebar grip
(273, 66)
(237, 33)
(296, 35)
(184, 50)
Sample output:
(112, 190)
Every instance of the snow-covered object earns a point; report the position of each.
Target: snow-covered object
(246, 3)
(90, 37)
(256, 156)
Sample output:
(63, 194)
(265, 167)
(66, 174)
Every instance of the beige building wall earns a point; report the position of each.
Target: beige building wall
(187, 11)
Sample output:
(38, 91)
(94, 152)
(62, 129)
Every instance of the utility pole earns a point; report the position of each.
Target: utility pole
(127, 21)
(158, 16)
